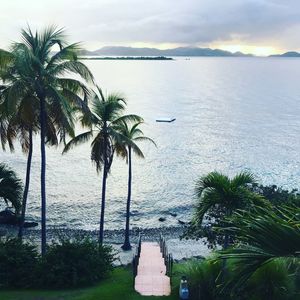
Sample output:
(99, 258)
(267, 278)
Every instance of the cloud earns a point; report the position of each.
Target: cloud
(192, 22)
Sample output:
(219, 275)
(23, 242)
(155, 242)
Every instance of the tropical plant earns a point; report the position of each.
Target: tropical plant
(203, 279)
(133, 134)
(32, 68)
(275, 280)
(103, 120)
(263, 236)
(277, 195)
(10, 188)
(75, 263)
(218, 197)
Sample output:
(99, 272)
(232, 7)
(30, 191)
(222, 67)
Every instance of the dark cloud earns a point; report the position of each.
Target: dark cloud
(272, 22)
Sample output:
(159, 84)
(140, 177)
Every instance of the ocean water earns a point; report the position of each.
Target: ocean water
(232, 114)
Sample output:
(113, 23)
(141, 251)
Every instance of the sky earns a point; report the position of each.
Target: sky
(260, 27)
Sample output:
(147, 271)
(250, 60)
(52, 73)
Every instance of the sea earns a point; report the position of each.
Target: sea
(232, 114)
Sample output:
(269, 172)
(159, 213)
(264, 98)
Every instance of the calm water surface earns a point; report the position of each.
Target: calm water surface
(232, 114)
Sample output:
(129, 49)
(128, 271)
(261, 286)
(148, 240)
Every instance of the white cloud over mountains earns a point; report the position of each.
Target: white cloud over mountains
(189, 22)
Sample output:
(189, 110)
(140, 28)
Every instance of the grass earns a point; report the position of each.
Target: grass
(118, 286)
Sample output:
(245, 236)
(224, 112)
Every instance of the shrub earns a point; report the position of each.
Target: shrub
(204, 279)
(18, 262)
(273, 281)
(74, 263)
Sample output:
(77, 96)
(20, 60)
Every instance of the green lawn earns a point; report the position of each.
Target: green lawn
(118, 286)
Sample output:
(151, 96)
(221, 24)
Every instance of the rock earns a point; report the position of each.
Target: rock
(30, 224)
(181, 222)
(162, 219)
(134, 212)
(173, 214)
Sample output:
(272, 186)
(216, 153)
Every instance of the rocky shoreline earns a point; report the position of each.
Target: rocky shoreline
(180, 249)
(115, 236)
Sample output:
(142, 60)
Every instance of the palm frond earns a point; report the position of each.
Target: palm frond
(243, 179)
(79, 139)
(214, 180)
(264, 235)
(11, 187)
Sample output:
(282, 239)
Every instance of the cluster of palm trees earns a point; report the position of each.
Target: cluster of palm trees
(40, 95)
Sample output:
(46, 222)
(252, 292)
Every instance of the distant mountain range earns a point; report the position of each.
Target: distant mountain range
(181, 51)
(287, 54)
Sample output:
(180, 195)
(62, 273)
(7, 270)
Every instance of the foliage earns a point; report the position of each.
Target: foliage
(274, 280)
(203, 279)
(277, 195)
(118, 286)
(263, 235)
(18, 262)
(10, 187)
(102, 118)
(31, 73)
(70, 263)
(218, 197)
(75, 263)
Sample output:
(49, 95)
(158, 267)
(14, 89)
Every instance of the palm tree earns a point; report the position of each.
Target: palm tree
(264, 235)
(128, 145)
(221, 196)
(31, 68)
(10, 188)
(103, 120)
(22, 123)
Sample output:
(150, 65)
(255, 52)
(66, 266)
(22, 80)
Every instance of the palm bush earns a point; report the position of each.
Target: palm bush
(10, 188)
(218, 197)
(204, 279)
(263, 236)
(272, 281)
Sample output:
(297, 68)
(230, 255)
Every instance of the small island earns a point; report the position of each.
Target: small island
(127, 58)
(287, 54)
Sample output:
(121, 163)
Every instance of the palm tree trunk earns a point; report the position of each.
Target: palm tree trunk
(101, 231)
(43, 174)
(126, 245)
(26, 188)
(105, 172)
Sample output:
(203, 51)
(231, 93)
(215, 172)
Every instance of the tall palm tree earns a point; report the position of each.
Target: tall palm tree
(222, 195)
(133, 134)
(22, 123)
(103, 119)
(10, 187)
(31, 67)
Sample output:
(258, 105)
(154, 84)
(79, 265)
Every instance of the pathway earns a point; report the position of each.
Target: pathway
(151, 279)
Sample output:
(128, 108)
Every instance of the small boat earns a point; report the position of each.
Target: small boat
(168, 120)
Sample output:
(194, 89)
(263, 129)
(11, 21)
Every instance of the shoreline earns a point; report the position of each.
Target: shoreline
(111, 236)
(180, 249)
